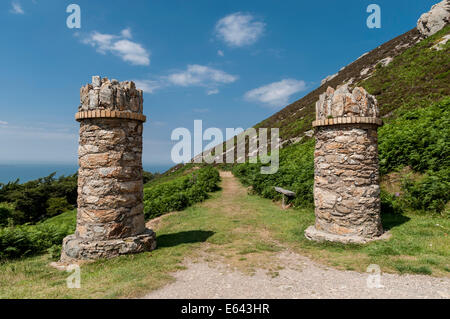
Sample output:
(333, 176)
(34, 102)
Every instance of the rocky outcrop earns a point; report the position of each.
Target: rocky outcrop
(440, 45)
(328, 78)
(346, 178)
(435, 19)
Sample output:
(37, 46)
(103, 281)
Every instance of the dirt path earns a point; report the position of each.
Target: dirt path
(297, 277)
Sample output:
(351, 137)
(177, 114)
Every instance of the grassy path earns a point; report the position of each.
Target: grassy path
(246, 234)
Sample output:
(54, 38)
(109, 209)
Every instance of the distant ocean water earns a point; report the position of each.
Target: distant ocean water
(28, 172)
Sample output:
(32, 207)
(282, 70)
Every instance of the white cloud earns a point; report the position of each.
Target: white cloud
(200, 75)
(3, 123)
(148, 86)
(119, 45)
(194, 75)
(212, 91)
(276, 94)
(239, 29)
(220, 53)
(126, 33)
(16, 8)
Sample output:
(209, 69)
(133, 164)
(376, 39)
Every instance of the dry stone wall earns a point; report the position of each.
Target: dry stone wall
(346, 182)
(110, 219)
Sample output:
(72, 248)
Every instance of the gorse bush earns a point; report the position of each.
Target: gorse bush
(181, 192)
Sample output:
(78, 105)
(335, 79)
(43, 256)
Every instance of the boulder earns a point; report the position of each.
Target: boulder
(435, 19)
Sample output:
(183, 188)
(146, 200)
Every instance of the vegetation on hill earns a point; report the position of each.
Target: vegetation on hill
(28, 240)
(37, 200)
(179, 193)
(417, 78)
(419, 139)
(296, 118)
(244, 231)
(416, 134)
(35, 216)
(296, 173)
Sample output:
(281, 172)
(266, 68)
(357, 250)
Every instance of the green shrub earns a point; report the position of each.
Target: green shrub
(57, 205)
(24, 240)
(31, 199)
(6, 213)
(419, 139)
(296, 173)
(390, 203)
(431, 193)
(27, 240)
(147, 176)
(179, 193)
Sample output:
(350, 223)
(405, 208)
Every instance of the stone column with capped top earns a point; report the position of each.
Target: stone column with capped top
(110, 219)
(346, 178)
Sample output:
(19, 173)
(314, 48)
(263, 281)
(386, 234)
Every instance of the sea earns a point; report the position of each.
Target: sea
(28, 172)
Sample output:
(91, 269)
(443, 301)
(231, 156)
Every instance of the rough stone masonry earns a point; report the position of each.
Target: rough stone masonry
(110, 219)
(346, 179)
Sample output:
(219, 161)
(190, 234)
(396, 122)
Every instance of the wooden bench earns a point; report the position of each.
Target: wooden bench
(286, 193)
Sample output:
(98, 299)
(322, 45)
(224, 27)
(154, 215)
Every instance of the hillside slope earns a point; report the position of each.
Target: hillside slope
(296, 118)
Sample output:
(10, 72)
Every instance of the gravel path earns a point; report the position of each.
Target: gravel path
(309, 280)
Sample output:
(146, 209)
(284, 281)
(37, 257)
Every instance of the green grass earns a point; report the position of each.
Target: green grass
(66, 219)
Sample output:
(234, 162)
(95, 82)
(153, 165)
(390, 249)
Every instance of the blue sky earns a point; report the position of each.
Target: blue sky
(229, 63)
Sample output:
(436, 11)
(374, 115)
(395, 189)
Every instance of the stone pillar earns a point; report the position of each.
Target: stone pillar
(346, 178)
(110, 219)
